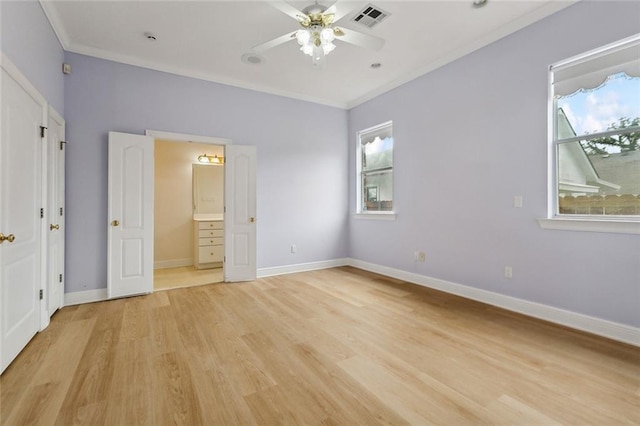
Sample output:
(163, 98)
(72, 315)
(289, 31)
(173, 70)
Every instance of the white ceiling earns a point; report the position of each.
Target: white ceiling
(206, 39)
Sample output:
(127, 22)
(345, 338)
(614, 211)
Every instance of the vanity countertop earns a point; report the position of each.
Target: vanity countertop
(199, 217)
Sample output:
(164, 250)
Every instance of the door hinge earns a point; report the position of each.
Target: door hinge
(224, 258)
(41, 294)
(62, 145)
(60, 211)
(42, 130)
(60, 278)
(41, 213)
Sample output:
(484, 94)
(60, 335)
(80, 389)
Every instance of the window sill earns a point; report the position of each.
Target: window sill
(591, 225)
(376, 216)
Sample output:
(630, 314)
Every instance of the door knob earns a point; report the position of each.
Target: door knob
(52, 227)
(252, 219)
(115, 223)
(11, 238)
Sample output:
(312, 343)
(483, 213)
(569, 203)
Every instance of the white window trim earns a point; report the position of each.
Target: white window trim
(591, 225)
(374, 215)
(616, 225)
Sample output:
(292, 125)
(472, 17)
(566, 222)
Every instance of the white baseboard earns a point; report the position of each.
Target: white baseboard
(612, 330)
(609, 329)
(301, 267)
(89, 296)
(173, 263)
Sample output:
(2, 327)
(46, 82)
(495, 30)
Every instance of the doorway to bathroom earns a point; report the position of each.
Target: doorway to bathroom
(130, 237)
(188, 195)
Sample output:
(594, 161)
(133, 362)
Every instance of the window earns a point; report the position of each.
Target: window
(595, 143)
(375, 169)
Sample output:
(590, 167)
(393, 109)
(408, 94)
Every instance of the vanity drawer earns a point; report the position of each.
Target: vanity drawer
(210, 254)
(206, 233)
(216, 224)
(208, 243)
(211, 241)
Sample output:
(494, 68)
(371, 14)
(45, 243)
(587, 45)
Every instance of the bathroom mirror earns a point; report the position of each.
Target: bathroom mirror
(208, 192)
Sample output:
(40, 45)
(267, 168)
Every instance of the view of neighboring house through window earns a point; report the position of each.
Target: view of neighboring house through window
(375, 169)
(596, 132)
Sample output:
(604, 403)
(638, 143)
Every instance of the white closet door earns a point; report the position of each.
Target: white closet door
(23, 111)
(55, 211)
(130, 234)
(240, 213)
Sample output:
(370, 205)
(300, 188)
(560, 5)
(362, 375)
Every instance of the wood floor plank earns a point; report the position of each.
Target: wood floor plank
(331, 347)
(53, 378)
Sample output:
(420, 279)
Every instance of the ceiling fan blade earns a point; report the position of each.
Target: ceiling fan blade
(275, 42)
(360, 39)
(287, 9)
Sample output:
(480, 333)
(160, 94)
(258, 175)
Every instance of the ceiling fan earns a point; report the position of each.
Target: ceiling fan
(317, 32)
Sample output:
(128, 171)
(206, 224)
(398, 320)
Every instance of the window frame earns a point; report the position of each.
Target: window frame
(555, 220)
(367, 214)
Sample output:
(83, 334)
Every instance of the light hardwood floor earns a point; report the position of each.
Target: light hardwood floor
(338, 346)
(185, 276)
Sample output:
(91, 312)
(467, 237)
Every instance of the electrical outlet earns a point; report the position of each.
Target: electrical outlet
(420, 256)
(517, 201)
(294, 248)
(508, 272)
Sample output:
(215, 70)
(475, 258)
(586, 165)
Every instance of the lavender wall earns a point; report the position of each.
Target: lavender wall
(30, 43)
(471, 135)
(302, 151)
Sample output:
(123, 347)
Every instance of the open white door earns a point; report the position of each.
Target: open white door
(55, 211)
(130, 234)
(23, 112)
(240, 213)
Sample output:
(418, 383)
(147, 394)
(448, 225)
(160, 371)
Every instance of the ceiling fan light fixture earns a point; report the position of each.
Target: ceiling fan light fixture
(307, 49)
(317, 57)
(328, 48)
(316, 42)
(327, 36)
(303, 37)
(316, 34)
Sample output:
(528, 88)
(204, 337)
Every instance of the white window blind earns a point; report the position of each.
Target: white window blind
(592, 69)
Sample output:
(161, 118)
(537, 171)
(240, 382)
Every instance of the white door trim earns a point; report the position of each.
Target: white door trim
(22, 80)
(53, 214)
(184, 137)
(14, 72)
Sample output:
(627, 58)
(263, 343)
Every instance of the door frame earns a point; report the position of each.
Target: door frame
(14, 72)
(186, 138)
(59, 148)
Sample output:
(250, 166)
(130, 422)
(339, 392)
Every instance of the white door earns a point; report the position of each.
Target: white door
(130, 214)
(55, 211)
(23, 111)
(240, 213)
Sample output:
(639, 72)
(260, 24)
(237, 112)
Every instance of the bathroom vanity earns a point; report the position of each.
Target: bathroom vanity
(208, 240)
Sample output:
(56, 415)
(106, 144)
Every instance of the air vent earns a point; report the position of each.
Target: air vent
(370, 16)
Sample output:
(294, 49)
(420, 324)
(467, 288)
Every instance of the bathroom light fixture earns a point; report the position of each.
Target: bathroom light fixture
(210, 159)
